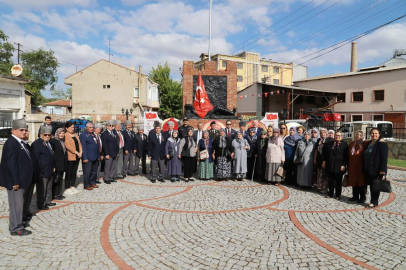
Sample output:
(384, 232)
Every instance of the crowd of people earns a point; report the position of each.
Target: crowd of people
(306, 158)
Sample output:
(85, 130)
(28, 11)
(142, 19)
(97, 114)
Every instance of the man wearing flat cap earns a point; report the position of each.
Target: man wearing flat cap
(213, 132)
(129, 150)
(44, 153)
(121, 143)
(141, 147)
(97, 132)
(90, 156)
(183, 130)
(110, 150)
(156, 153)
(168, 133)
(17, 172)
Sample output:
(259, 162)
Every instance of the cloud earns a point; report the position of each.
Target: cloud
(41, 5)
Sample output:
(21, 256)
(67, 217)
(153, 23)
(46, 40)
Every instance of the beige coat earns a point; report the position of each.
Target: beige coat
(275, 153)
(70, 146)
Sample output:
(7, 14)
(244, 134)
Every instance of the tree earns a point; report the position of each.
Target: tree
(6, 52)
(60, 93)
(40, 67)
(170, 92)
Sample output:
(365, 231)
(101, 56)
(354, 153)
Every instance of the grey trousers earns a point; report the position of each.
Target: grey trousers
(27, 199)
(44, 191)
(110, 166)
(99, 164)
(154, 165)
(120, 162)
(143, 159)
(16, 205)
(128, 166)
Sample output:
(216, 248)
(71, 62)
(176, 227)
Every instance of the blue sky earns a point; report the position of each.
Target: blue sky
(148, 33)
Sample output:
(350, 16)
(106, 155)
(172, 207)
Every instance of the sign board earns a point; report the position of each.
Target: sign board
(149, 119)
(271, 118)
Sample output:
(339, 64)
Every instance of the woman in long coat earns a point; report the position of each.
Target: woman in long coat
(275, 156)
(174, 164)
(61, 161)
(188, 153)
(322, 179)
(223, 154)
(260, 154)
(252, 140)
(305, 153)
(206, 168)
(241, 146)
(289, 146)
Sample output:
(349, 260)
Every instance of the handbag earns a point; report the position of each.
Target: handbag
(344, 183)
(280, 171)
(204, 154)
(381, 184)
(171, 154)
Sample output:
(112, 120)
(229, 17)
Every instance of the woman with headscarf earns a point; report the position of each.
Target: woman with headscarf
(222, 155)
(322, 179)
(304, 157)
(61, 161)
(315, 135)
(252, 140)
(330, 136)
(356, 176)
(173, 156)
(260, 154)
(188, 153)
(206, 169)
(275, 156)
(290, 144)
(241, 147)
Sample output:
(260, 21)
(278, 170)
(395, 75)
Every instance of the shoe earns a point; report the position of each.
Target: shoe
(124, 176)
(50, 204)
(353, 199)
(68, 192)
(98, 182)
(26, 224)
(161, 180)
(153, 181)
(94, 186)
(338, 198)
(132, 174)
(107, 182)
(113, 181)
(362, 200)
(22, 232)
(371, 205)
(43, 207)
(60, 198)
(173, 180)
(327, 196)
(89, 188)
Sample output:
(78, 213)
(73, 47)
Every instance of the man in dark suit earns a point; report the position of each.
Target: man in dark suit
(141, 150)
(129, 150)
(45, 155)
(97, 132)
(47, 122)
(242, 129)
(16, 174)
(335, 161)
(120, 140)
(198, 134)
(230, 133)
(156, 153)
(90, 157)
(183, 130)
(213, 132)
(258, 130)
(110, 150)
(168, 133)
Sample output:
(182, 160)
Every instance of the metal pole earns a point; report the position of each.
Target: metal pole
(292, 106)
(210, 30)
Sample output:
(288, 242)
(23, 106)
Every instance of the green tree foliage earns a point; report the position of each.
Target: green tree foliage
(170, 92)
(6, 52)
(40, 67)
(60, 93)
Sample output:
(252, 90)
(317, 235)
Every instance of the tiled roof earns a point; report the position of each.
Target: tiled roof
(60, 103)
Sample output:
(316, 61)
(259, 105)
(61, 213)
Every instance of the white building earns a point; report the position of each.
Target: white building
(13, 101)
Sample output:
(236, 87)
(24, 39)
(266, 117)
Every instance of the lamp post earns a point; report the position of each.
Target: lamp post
(126, 112)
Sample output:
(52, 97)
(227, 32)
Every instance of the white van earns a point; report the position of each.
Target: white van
(349, 129)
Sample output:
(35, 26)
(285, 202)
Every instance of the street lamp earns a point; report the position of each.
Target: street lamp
(126, 112)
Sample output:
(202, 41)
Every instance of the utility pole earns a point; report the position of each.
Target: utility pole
(18, 50)
(109, 50)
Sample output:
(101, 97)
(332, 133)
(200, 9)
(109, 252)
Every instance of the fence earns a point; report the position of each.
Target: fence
(399, 131)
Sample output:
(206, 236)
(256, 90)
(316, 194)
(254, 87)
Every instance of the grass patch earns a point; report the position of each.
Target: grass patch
(397, 162)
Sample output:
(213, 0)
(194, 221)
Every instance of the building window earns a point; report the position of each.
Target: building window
(275, 81)
(377, 117)
(343, 118)
(264, 68)
(341, 97)
(104, 86)
(239, 78)
(136, 92)
(108, 86)
(224, 64)
(154, 91)
(275, 70)
(357, 96)
(240, 65)
(356, 117)
(379, 95)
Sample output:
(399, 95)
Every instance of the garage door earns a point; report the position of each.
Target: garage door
(395, 117)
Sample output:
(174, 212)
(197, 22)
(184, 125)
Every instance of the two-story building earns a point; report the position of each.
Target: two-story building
(104, 89)
(15, 100)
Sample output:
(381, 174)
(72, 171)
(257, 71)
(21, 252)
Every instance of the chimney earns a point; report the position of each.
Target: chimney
(353, 57)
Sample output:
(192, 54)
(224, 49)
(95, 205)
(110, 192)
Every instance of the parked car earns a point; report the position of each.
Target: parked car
(5, 133)
(349, 129)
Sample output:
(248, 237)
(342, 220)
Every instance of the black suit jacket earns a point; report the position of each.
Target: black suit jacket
(335, 157)
(16, 167)
(167, 135)
(195, 135)
(156, 150)
(183, 131)
(61, 157)
(379, 159)
(129, 142)
(45, 157)
(233, 134)
(141, 145)
(109, 144)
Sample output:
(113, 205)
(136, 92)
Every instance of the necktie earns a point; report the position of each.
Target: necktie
(228, 132)
(142, 138)
(159, 139)
(121, 139)
(98, 140)
(25, 149)
(49, 147)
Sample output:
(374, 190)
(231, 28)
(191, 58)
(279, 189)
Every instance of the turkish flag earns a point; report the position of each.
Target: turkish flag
(201, 103)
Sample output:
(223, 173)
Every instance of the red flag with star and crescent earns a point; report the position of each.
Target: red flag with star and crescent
(201, 102)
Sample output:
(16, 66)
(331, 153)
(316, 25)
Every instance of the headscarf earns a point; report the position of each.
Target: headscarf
(314, 139)
(329, 139)
(57, 133)
(307, 133)
(223, 143)
(172, 138)
(274, 139)
(321, 141)
(357, 147)
(292, 139)
(263, 140)
(252, 139)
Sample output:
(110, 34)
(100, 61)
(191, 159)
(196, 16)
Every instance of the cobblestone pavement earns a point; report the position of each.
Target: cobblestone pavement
(134, 224)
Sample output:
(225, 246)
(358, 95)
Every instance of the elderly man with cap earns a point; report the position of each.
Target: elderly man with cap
(156, 153)
(169, 132)
(44, 153)
(90, 156)
(97, 132)
(17, 172)
(213, 132)
(121, 143)
(183, 130)
(141, 150)
(110, 150)
(129, 150)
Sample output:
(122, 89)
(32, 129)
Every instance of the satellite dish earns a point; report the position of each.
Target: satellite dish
(16, 70)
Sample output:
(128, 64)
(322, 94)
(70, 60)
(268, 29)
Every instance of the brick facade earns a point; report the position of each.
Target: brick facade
(210, 69)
